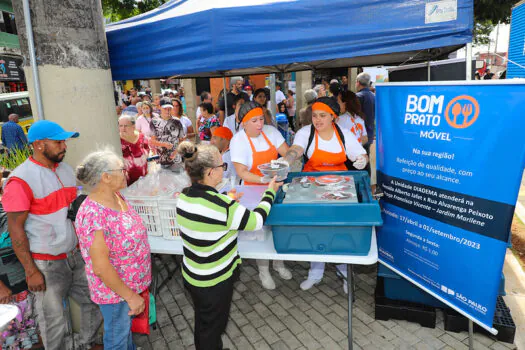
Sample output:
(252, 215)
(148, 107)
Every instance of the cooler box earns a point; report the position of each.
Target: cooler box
(326, 228)
(398, 288)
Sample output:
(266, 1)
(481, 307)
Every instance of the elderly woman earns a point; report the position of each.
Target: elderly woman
(325, 147)
(209, 222)
(209, 122)
(135, 149)
(114, 244)
(167, 133)
(252, 146)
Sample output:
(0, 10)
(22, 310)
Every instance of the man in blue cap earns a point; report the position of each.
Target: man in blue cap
(37, 196)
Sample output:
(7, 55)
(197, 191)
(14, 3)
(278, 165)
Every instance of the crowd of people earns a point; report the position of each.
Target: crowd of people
(95, 248)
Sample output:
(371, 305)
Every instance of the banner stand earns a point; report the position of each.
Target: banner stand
(470, 334)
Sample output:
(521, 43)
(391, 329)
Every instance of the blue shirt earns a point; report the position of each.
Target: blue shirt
(368, 106)
(13, 136)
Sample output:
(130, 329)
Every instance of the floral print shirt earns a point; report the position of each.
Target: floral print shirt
(127, 241)
(205, 128)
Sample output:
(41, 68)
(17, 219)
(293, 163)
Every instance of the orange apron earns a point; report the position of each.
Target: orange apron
(326, 161)
(262, 157)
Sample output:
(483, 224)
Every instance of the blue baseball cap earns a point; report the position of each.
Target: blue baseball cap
(46, 129)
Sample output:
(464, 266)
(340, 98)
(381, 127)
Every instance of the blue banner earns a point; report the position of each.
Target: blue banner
(450, 158)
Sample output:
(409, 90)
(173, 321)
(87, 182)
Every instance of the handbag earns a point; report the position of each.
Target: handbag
(140, 323)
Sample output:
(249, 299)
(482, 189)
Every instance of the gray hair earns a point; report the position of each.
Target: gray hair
(139, 105)
(90, 171)
(129, 117)
(197, 158)
(363, 79)
(234, 80)
(317, 88)
(310, 95)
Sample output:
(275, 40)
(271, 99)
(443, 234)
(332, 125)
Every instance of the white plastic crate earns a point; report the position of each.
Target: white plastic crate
(148, 209)
(168, 218)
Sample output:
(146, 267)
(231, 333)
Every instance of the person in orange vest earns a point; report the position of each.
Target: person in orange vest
(252, 146)
(325, 147)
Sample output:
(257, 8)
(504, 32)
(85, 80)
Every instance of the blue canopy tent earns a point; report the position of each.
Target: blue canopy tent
(213, 38)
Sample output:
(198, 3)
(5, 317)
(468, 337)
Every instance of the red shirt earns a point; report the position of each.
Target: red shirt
(135, 158)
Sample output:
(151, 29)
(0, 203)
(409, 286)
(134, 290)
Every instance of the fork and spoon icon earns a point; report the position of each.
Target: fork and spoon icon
(466, 111)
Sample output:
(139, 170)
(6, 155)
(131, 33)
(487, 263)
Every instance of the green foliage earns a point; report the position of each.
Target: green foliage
(493, 11)
(10, 160)
(482, 32)
(117, 10)
(487, 13)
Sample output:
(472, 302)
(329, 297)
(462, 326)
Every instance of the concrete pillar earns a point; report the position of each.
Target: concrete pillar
(190, 94)
(155, 86)
(303, 82)
(352, 75)
(73, 65)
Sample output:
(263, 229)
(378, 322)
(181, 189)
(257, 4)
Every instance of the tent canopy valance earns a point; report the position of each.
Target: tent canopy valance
(211, 38)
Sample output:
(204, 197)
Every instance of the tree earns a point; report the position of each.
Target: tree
(117, 10)
(493, 11)
(481, 33)
(488, 13)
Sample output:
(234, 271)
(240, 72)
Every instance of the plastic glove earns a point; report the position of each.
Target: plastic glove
(360, 162)
(281, 161)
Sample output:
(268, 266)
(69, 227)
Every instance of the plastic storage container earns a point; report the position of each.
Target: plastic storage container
(326, 228)
(398, 288)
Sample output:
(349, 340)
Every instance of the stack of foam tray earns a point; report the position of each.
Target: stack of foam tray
(502, 322)
(326, 228)
(398, 298)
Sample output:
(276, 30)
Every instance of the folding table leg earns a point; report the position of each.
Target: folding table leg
(350, 285)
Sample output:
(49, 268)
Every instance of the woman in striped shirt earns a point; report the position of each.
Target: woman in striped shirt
(209, 222)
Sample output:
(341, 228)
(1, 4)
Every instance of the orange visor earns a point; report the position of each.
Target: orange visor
(256, 112)
(319, 106)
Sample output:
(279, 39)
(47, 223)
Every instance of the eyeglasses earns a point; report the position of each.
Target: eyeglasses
(122, 170)
(224, 167)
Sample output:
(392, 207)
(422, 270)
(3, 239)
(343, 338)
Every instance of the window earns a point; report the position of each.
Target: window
(7, 23)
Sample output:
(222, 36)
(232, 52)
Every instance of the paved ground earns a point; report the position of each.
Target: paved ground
(289, 318)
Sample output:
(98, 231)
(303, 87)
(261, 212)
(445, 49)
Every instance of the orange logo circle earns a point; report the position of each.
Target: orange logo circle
(464, 110)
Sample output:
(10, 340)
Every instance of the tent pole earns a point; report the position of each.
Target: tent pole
(224, 97)
(428, 70)
(468, 63)
(272, 96)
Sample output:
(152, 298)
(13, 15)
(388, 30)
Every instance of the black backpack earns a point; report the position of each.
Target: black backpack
(348, 162)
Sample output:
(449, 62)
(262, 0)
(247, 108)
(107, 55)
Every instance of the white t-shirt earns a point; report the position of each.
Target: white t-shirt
(226, 158)
(184, 127)
(279, 96)
(345, 122)
(186, 122)
(241, 152)
(143, 126)
(352, 146)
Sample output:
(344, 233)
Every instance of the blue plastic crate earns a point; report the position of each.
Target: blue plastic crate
(331, 228)
(398, 288)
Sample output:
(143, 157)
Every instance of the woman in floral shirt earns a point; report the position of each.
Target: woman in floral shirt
(114, 244)
(210, 122)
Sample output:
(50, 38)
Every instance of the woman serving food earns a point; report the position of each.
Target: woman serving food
(255, 145)
(325, 147)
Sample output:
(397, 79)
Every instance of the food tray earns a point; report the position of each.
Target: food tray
(330, 228)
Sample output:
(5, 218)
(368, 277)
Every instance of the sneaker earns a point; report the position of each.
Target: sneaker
(266, 280)
(309, 283)
(284, 273)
